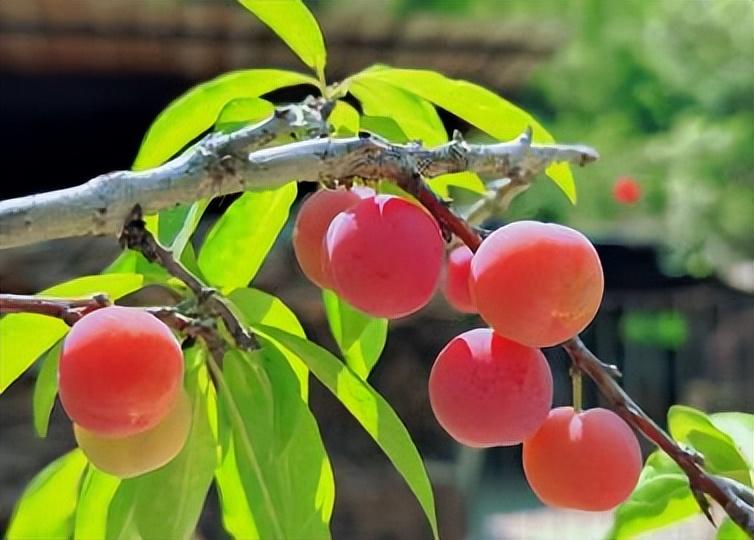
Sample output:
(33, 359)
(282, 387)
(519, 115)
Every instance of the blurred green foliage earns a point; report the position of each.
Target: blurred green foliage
(666, 329)
(664, 90)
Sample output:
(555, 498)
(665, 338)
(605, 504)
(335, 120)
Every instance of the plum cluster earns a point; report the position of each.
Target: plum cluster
(120, 381)
(535, 284)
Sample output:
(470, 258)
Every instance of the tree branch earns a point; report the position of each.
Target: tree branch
(219, 165)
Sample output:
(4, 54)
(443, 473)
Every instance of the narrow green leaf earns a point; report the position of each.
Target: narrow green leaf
(466, 180)
(370, 410)
(740, 428)
(196, 111)
(46, 507)
(259, 307)
(237, 516)
(168, 501)
(279, 455)
(92, 510)
(238, 243)
(360, 337)
(416, 117)
(475, 104)
(243, 111)
(344, 119)
(730, 531)
(721, 456)
(25, 336)
(45, 389)
(292, 21)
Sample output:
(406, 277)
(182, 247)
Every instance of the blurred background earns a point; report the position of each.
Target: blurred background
(664, 90)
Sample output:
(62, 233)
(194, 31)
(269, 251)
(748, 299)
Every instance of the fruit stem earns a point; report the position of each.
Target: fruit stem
(577, 386)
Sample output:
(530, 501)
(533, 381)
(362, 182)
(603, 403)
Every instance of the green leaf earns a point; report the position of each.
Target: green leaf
(196, 111)
(25, 336)
(93, 508)
(258, 307)
(740, 428)
(657, 502)
(416, 117)
(178, 224)
(45, 389)
(360, 337)
(168, 501)
(243, 111)
(279, 455)
(466, 180)
(238, 243)
(384, 127)
(475, 104)
(370, 410)
(133, 262)
(696, 429)
(238, 519)
(292, 21)
(730, 531)
(46, 507)
(344, 119)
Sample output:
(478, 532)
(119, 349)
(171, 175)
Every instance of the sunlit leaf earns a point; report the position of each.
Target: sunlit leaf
(196, 111)
(46, 507)
(370, 410)
(178, 224)
(258, 307)
(242, 111)
(344, 119)
(360, 337)
(466, 180)
(238, 243)
(279, 455)
(475, 104)
(292, 21)
(721, 455)
(92, 510)
(416, 117)
(25, 336)
(237, 516)
(740, 428)
(45, 389)
(657, 502)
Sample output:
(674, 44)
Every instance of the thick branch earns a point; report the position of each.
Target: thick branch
(219, 165)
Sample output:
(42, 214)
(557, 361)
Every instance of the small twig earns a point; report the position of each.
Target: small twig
(69, 310)
(136, 236)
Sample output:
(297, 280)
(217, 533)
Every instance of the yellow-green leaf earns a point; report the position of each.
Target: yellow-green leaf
(480, 107)
(292, 21)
